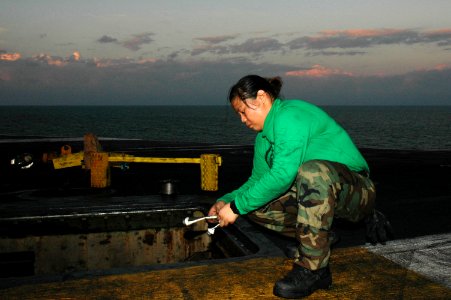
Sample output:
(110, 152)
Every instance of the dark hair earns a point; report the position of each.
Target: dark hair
(248, 86)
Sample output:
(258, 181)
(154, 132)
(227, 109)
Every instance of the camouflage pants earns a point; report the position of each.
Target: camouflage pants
(322, 190)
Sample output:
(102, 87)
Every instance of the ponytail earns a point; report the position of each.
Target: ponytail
(248, 86)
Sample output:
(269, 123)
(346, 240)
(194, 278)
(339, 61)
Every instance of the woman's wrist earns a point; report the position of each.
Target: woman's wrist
(234, 208)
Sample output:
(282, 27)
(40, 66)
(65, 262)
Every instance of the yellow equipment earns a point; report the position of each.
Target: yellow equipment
(100, 163)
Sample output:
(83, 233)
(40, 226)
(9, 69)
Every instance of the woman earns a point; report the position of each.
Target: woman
(306, 170)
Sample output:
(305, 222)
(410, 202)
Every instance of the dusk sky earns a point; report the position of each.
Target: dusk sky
(152, 52)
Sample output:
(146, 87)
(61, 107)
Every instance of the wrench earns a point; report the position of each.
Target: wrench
(211, 230)
(187, 221)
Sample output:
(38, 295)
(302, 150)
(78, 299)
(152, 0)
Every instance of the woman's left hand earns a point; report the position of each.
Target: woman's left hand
(226, 216)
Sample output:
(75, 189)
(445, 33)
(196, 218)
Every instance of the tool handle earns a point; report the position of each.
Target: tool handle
(187, 221)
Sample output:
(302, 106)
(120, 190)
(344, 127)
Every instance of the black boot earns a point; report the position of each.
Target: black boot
(301, 282)
(378, 228)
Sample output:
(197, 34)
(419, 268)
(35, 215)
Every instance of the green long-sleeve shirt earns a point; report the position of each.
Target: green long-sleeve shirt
(294, 132)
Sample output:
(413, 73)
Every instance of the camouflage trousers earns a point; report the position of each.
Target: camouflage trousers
(322, 190)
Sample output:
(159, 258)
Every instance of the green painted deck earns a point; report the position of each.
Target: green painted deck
(357, 274)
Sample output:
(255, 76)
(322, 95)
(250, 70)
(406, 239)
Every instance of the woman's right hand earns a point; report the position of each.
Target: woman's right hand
(214, 210)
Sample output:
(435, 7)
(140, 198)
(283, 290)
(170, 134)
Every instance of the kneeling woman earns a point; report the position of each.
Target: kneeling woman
(306, 171)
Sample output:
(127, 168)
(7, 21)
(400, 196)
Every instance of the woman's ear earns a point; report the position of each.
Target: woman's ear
(264, 97)
(261, 100)
(261, 94)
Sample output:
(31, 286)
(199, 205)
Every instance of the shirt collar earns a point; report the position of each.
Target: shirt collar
(269, 120)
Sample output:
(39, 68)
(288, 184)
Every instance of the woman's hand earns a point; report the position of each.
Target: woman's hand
(226, 216)
(214, 210)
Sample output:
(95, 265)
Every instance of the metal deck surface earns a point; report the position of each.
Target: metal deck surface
(358, 273)
(427, 255)
(414, 191)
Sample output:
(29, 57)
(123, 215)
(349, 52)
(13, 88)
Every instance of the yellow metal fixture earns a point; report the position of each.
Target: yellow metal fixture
(100, 162)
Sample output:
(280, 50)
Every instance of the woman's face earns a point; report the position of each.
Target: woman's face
(253, 112)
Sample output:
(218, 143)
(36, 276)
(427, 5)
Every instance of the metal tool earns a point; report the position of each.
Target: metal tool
(189, 222)
(211, 230)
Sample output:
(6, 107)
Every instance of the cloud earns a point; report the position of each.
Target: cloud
(216, 39)
(56, 60)
(137, 41)
(75, 56)
(355, 38)
(106, 39)
(109, 63)
(149, 60)
(250, 46)
(134, 43)
(173, 55)
(439, 67)
(318, 71)
(335, 53)
(148, 81)
(325, 43)
(442, 67)
(49, 60)
(209, 49)
(441, 36)
(256, 45)
(364, 38)
(9, 56)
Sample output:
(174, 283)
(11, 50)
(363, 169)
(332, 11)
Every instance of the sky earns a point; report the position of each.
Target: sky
(162, 52)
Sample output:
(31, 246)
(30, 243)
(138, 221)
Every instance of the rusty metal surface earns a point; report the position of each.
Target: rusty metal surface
(69, 253)
(56, 257)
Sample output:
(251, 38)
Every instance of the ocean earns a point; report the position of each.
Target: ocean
(381, 127)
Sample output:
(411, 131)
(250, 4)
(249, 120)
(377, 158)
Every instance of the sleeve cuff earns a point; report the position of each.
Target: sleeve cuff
(234, 208)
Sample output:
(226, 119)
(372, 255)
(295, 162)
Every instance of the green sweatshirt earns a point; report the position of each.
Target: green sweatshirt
(294, 132)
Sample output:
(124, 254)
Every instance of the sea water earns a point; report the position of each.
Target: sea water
(383, 127)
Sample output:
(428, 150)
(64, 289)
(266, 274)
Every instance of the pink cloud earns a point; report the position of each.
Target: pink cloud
(50, 60)
(442, 67)
(318, 71)
(361, 32)
(57, 61)
(102, 63)
(147, 60)
(76, 56)
(439, 67)
(10, 56)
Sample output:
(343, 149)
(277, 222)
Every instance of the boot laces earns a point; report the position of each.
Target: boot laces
(299, 274)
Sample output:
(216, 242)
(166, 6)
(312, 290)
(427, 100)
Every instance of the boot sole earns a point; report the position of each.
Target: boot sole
(324, 283)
